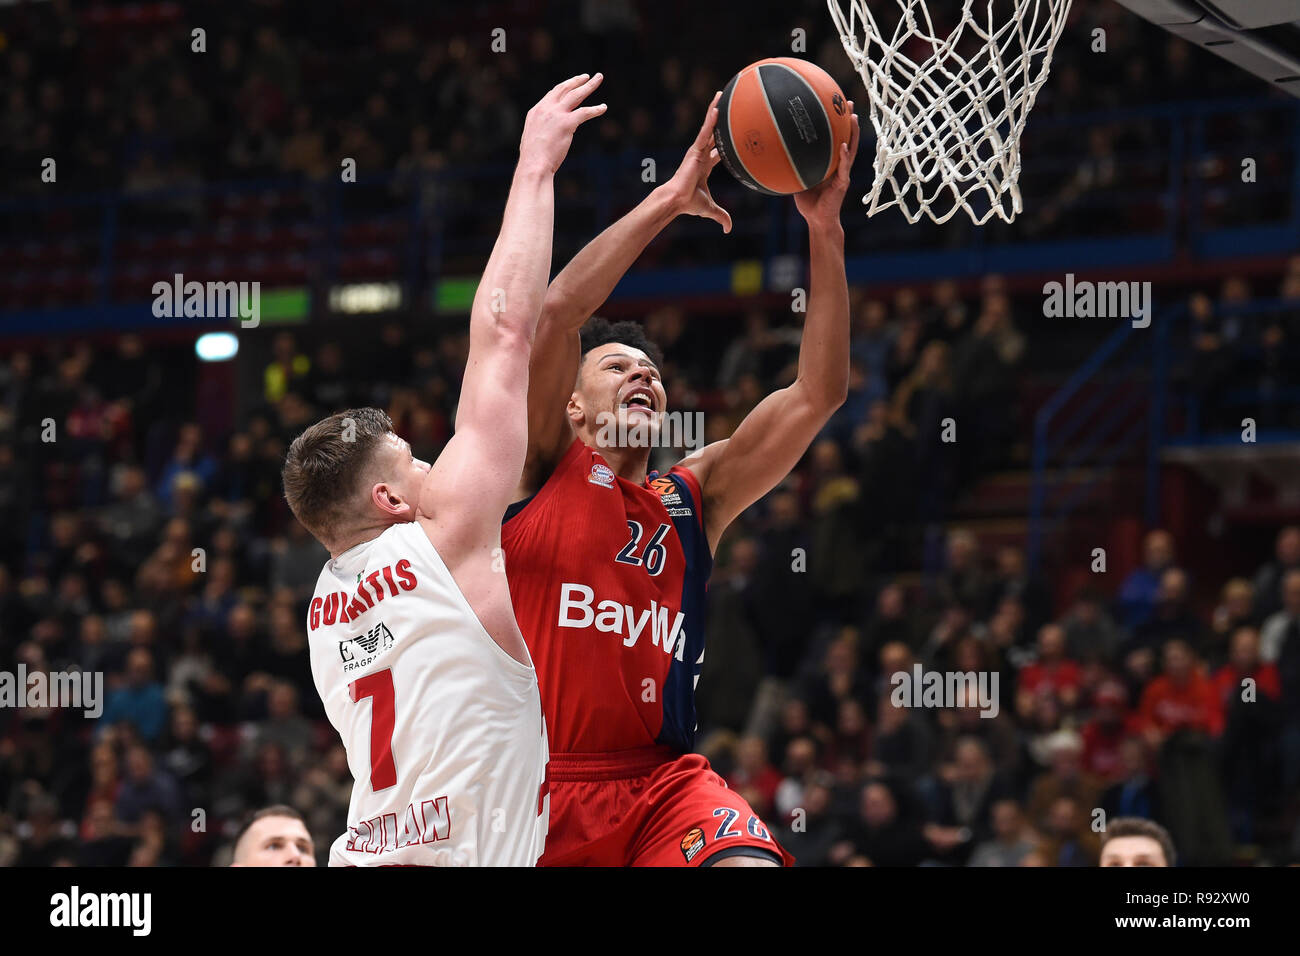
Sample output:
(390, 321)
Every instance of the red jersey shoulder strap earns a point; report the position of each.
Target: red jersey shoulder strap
(548, 489)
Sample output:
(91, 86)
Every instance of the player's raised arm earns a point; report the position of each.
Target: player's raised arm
(737, 471)
(587, 281)
(471, 483)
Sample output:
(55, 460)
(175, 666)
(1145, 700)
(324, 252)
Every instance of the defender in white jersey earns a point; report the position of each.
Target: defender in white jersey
(414, 646)
(409, 676)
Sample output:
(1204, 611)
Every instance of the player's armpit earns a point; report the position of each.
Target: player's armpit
(737, 471)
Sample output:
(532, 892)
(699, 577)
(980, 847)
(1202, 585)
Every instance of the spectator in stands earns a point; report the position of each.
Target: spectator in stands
(288, 367)
(733, 666)
(836, 551)
(872, 339)
(755, 775)
(1248, 692)
(186, 758)
(964, 580)
(924, 401)
(882, 835)
(889, 624)
(45, 843)
(146, 789)
(1104, 734)
(1172, 617)
(1065, 777)
(275, 836)
(1269, 578)
(1279, 644)
(139, 701)
(817, 830)
(967, 791)
(1069, 841)
(801, 758)
(969, 719)
(782, 602)
(1138, 593)
(903, 745)
(1051, 673)
(1283, 626)
(1134, 794)
(1127, 841)
(1213, 361)
(1011, 579)
(284, 726)
(1181, 719)
(1012, 838)
(1236, 609)
(1090, 631)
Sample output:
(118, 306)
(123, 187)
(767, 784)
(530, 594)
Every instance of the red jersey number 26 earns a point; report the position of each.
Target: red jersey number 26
(655, 554)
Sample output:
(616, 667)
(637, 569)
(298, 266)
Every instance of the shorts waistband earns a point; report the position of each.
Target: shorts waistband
(610, 765)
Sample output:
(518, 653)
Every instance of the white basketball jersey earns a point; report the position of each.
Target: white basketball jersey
(444, 730)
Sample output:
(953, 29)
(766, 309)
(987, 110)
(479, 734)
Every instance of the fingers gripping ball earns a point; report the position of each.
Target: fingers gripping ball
(781, 122)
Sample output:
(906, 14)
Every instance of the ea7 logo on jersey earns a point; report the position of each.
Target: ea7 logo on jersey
(360, 651)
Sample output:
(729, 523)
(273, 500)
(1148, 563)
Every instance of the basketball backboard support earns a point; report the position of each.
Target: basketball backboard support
(1260, 36)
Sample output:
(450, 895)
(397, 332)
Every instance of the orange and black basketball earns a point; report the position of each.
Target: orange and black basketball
(781, 122)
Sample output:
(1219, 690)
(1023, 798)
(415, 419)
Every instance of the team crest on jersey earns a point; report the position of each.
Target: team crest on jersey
(692, 843)
(601, 474)
(360, 651)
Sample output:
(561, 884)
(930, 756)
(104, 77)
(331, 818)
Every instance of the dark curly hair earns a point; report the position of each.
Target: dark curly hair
(597, 332)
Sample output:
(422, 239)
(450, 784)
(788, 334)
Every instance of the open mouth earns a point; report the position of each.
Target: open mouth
(639, 399)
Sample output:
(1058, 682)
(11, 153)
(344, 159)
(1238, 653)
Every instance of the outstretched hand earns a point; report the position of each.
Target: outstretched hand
(821, 204)
(550, 124)
(689, 187)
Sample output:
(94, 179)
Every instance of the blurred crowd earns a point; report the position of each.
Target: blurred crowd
(144, 536)
(126, 106)
(139, 543)
(1129, 703)
(275, 89)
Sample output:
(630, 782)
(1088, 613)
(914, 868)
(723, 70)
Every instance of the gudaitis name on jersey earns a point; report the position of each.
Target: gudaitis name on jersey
(388, 581)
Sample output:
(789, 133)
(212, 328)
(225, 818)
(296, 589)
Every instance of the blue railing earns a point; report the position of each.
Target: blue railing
(1089, 423)
(1141, 383)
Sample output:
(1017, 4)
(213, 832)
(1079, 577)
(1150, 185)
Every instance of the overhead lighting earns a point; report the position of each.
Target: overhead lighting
(216, 347)
(366, 297)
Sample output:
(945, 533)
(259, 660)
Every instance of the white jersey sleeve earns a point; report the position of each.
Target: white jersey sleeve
(443, 729)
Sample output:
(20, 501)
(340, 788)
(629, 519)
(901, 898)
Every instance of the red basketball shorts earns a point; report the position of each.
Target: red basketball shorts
(648, 807)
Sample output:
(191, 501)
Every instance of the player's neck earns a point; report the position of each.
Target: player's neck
(630, 463)
(356, 536)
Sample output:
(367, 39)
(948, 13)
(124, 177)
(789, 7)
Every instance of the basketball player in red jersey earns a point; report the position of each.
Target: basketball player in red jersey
(607, 564)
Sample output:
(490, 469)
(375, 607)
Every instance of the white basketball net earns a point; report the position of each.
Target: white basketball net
(948, 127)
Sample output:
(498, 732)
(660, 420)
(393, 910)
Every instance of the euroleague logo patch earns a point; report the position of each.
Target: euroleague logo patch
(666, 490)
(692, 843)
(670, 497)
(602, 475)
